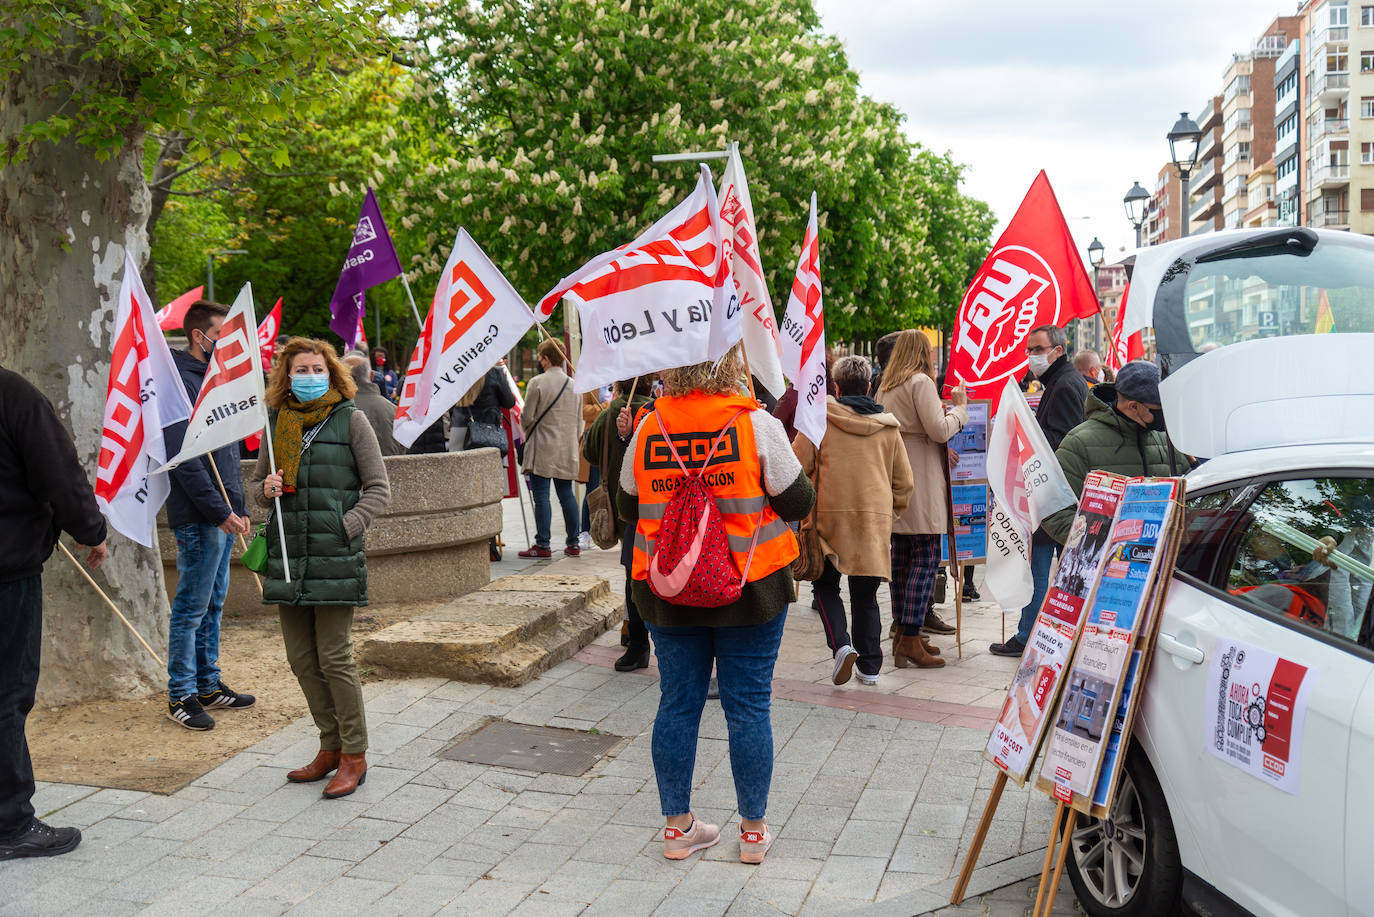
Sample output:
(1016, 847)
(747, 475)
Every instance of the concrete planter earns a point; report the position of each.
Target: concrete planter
(431, 543)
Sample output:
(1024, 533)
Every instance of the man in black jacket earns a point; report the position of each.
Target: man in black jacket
(43, 492)
(205, 526)
(1063, 399)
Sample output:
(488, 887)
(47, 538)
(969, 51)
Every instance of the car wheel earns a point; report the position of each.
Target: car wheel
(1128, 864)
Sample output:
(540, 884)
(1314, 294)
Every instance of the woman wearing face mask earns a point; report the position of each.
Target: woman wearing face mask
(331, 484)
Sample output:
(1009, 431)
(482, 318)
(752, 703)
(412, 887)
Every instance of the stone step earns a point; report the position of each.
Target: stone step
(505, 633)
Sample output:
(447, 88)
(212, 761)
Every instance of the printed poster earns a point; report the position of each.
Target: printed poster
(1116, 615)
(969, 503)
(1255, 712)
(971, 445)
(1103, 791)
(1019, 729)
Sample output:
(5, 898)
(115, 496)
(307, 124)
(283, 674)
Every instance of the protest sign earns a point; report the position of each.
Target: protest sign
(969, 506)
(665, 300)
(1122, 610)
(231, 405)
(144, 394)
(1255, 712)
(971, 445)
(1024, 718)
(476, 317)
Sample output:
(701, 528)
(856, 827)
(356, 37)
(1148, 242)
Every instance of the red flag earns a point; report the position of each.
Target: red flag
(362, 337)
(1034, 276)
(1124, 351)
(170, 316)
(268, 332)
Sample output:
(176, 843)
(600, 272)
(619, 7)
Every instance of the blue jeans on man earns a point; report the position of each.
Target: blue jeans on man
(193, 636)
(1044, 550)
(543, 510)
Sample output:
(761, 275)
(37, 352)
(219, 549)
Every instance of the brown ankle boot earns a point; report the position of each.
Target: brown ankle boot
(352, 774)
(931, 648)
(908, 650)
(326, 761)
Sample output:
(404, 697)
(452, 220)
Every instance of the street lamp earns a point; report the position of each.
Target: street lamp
(1184, 141)
(1096, 255)
(210, 268)
(1137, 202)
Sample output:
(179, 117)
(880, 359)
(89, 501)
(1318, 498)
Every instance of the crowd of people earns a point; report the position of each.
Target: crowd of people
(874, 494)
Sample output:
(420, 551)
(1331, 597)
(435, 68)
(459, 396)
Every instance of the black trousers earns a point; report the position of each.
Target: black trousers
(639, 634)
(21, 631)
(863, 607)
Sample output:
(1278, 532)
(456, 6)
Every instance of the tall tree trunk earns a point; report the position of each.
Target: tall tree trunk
(65, 221)
(171, 151)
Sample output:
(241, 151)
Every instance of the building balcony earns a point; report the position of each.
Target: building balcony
(1330, 35)
(1330, 127)
(1205, 207)
(1329, 176)
(1331, 218)
(1328, 87)
(1210, 114)
(1205, 174)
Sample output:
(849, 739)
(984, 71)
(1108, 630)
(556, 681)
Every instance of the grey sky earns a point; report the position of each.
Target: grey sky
(1085, 91)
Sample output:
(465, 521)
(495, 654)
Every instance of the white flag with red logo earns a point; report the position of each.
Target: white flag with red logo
(1028, 485)
(740, 234)
(665, 300)
(803, 337)
(476, 317)
(145, 394)
(231, 405)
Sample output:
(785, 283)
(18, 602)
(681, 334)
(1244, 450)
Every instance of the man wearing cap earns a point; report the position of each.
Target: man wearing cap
(1123, 434)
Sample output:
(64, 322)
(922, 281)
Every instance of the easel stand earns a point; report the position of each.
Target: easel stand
(1044, 898)
(979, 836)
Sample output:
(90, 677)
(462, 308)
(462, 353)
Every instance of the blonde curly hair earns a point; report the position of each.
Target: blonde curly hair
(724, 378)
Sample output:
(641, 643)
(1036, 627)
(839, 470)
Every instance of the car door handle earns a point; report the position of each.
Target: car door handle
(1181, 650)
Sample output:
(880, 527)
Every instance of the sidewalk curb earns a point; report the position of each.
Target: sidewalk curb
(936, 897)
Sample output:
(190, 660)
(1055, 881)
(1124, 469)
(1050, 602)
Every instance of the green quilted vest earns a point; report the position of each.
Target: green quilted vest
(327, 567)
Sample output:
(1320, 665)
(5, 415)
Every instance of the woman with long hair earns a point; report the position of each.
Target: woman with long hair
(331, 484)
(908, 393)
(704, 422)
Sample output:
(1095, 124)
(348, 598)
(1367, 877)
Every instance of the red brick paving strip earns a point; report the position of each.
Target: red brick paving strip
(860, 700)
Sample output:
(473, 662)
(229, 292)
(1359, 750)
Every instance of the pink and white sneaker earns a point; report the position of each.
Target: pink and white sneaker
(679, 844)
(753, 845)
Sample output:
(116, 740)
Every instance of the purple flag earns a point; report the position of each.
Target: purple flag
(371, 260)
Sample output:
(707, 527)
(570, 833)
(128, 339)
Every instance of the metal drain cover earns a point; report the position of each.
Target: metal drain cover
(541, 749)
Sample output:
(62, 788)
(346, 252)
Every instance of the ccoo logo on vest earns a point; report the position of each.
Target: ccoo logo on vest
(1015, 291)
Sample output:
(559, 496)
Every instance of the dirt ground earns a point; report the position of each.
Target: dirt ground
(132, 745)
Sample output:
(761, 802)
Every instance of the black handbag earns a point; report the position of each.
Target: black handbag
(481, 435)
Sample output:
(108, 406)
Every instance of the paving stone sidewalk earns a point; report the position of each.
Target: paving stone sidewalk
(876, 793)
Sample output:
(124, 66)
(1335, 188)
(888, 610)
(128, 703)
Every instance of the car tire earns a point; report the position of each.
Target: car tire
(1136, 871)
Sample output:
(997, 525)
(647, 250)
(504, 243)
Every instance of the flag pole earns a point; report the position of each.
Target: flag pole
(225, 493)
(413, 311)
(113, 607)
(281, 527)
(557, 344)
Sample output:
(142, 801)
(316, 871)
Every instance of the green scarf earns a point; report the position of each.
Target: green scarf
(293, 420)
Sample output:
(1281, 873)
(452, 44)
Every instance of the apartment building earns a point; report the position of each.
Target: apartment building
(1248, 115)
(1164, 220)
(1289, 135)
(1327, 95)
(1205, 184)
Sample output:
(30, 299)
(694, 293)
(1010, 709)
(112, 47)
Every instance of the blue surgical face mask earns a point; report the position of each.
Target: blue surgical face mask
(309, 387)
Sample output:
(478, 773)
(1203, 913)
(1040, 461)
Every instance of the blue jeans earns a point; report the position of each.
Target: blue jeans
(543, 511)
(593, 481)
(1043, 552)
(202, 582)
(743, 658)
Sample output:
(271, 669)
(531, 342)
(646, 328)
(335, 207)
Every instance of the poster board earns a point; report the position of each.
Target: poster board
(1122, 616)
(968, 487)
(1025, 716)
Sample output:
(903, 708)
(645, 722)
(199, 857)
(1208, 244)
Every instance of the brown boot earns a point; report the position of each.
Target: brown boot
(352, 774)
(908, 650)
(931, 648)
(326, 761)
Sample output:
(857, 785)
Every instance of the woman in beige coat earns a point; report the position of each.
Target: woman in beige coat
(864, 481)
(908, 393)
(551, 420)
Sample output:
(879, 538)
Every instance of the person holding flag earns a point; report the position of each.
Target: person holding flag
(328, 486)
(908, 393)
(204, 517)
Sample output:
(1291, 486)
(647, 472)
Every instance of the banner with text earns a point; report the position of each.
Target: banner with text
(145, 393)
(1255, 712)
(665, 300)
(475, 319)
(232, 404)
(741, 237)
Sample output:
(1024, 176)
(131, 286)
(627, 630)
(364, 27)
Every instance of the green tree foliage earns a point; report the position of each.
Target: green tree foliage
(532, 123)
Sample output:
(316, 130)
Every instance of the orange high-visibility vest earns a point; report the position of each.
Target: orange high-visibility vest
(734, 477)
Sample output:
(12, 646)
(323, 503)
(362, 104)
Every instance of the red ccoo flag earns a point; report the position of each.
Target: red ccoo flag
(1124, 350)
(1034, 276)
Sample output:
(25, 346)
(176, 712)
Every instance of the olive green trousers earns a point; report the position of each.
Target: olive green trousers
(319, 646)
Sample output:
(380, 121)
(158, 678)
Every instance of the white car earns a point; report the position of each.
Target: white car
(1288, 425)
